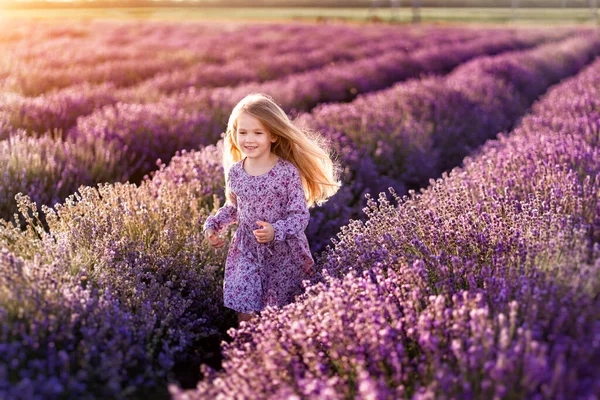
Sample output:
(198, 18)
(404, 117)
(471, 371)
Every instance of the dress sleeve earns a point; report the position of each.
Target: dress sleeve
(227, 214)
(298, 215)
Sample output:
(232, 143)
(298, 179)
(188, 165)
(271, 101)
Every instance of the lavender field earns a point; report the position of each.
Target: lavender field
(460, 258)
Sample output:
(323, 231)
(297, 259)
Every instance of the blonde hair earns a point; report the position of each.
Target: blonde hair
(307, 151)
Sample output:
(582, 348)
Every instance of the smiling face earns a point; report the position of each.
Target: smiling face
(254, 140)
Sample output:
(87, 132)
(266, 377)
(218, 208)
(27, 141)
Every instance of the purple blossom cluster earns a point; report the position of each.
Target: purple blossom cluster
(483, 285)
(49, 169)
(415, 130)
(200, 171)
(57, 338)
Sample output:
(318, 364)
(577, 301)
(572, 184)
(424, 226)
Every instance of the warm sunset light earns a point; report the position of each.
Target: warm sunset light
(299, 199)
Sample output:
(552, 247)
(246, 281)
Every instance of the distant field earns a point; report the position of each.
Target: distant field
(306, 3)
(441, 14)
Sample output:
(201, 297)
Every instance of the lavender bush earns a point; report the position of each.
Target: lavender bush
(56, 111)
(146, 132)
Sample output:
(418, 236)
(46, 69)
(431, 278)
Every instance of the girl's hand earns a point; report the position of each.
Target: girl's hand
(264, 234)
(216, 241)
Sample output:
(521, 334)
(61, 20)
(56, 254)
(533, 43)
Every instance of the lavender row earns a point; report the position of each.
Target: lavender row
(414, 131)
(485, 285)
(36, 80)
(56, 110)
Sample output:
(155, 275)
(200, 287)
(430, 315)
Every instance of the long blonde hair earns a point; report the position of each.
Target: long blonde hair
(308, 151)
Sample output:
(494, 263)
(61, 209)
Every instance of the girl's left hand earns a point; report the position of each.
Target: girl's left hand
(264, 234)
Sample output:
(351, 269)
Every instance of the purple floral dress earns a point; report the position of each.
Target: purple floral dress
(264, 274)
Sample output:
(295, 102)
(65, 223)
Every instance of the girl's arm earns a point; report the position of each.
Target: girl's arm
(298, 215)
(226, 215)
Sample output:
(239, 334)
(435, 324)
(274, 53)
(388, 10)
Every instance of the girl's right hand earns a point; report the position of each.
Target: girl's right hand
(216, 241)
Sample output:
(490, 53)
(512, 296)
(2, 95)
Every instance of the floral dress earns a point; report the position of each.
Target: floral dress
(264, 274)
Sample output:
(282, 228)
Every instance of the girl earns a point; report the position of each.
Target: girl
(273, 173)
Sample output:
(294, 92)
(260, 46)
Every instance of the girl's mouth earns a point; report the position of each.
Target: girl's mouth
(250, 148)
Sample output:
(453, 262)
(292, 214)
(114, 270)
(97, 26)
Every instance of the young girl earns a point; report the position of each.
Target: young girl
(273, 173)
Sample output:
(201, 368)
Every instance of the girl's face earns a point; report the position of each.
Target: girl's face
(253, 138)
